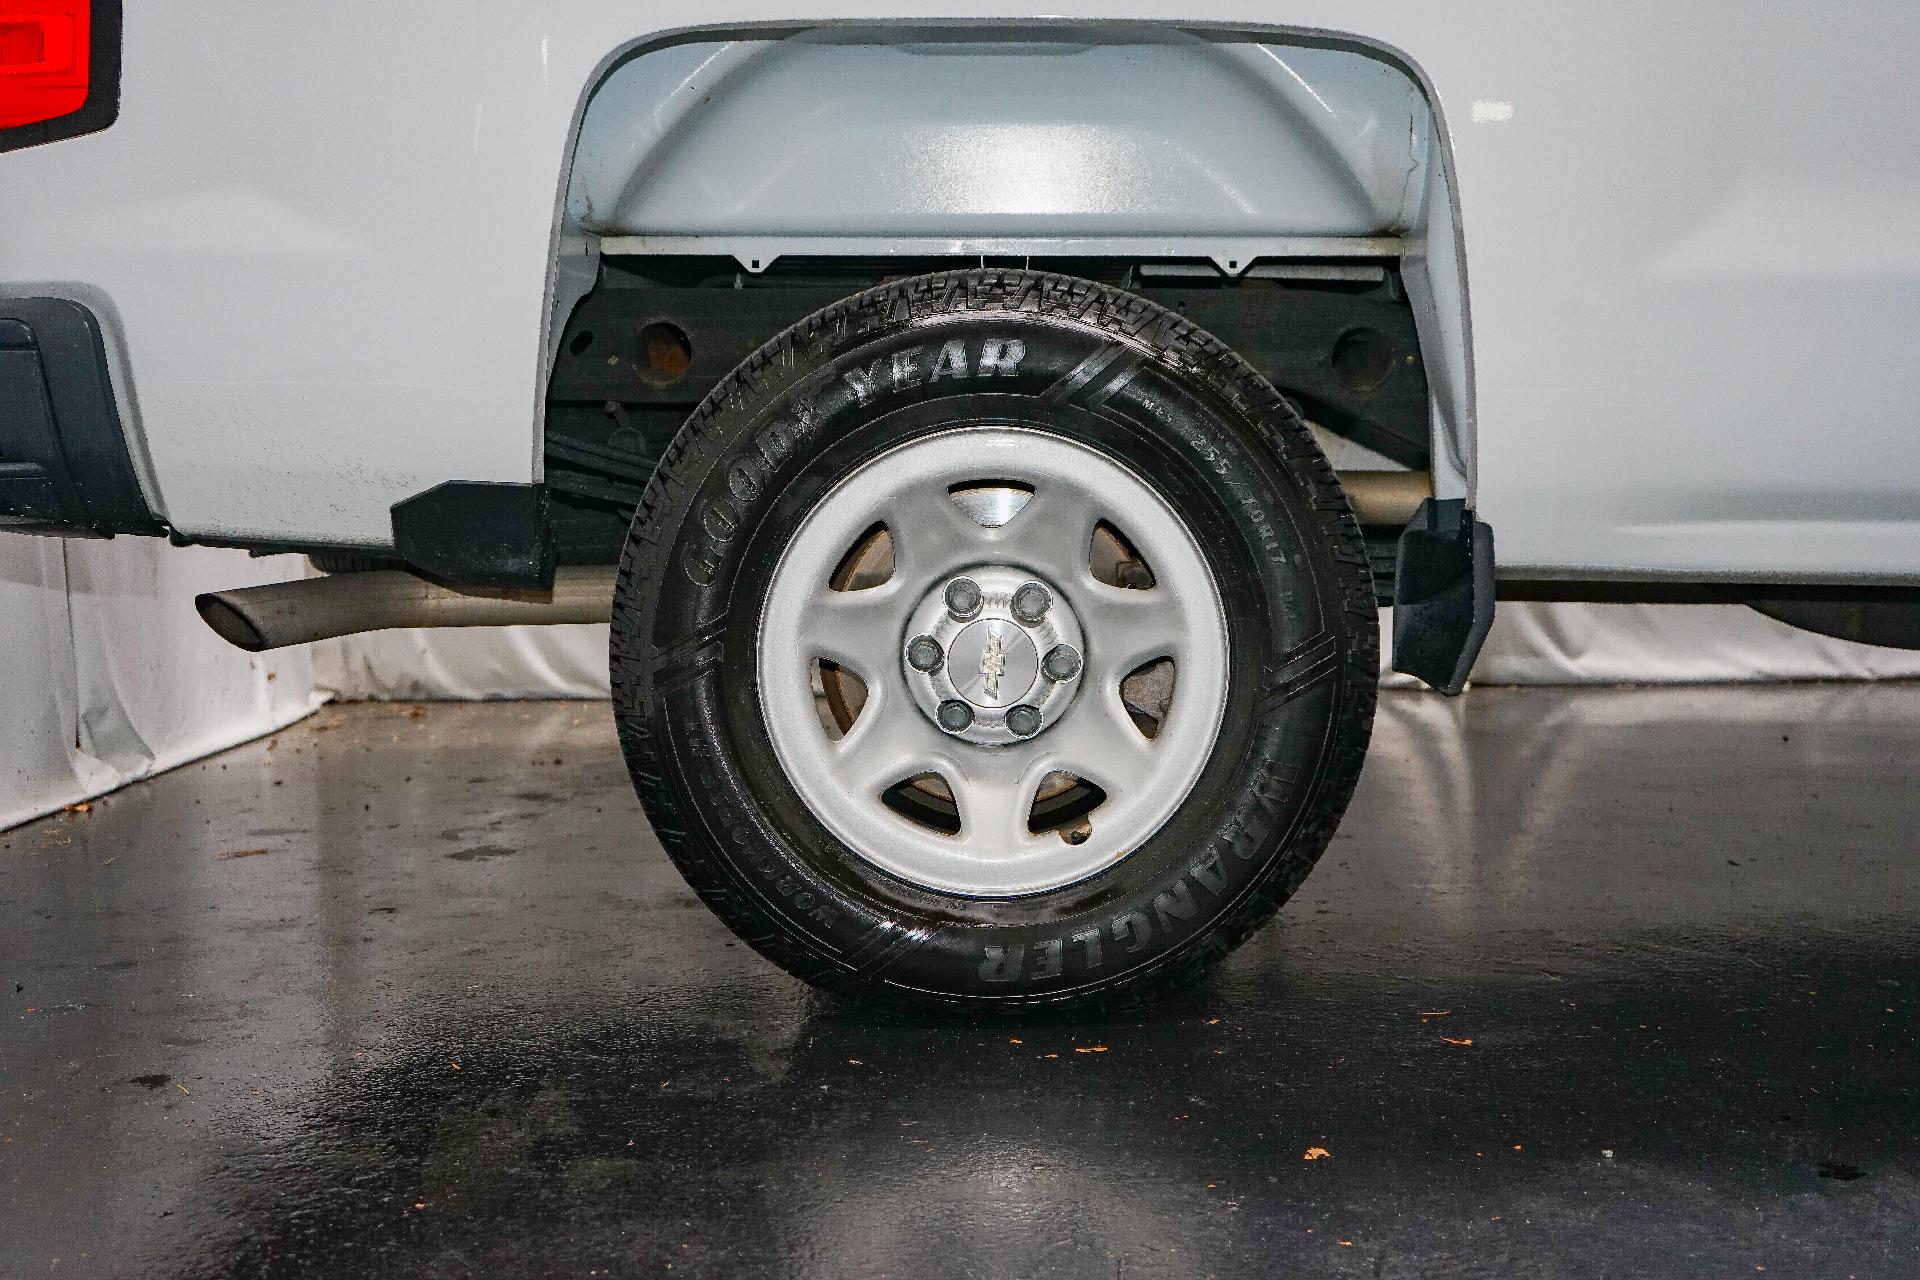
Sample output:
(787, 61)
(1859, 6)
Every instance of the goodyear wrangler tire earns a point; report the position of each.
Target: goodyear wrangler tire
(994, 637)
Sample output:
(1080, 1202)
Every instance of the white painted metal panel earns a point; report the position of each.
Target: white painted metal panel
(1095, 132)
(326, 235)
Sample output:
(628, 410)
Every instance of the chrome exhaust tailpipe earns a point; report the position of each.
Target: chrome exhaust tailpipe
(284, 613)
(344, 604)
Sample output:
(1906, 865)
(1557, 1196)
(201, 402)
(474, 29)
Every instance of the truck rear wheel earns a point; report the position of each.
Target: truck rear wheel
(994, 637)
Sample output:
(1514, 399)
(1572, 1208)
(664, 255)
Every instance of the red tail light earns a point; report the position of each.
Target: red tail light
(43, 59)
(59, 68)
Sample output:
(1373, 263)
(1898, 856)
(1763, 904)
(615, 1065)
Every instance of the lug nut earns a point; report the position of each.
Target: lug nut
(963, 598)
(955, 716)
(1031, 602)
(1062, 662)
(924, 654)
(1024, 721)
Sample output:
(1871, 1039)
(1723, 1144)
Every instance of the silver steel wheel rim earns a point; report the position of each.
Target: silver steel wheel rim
(1090, 735)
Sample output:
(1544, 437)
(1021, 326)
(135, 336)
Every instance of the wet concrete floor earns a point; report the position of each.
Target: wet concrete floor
(1601, 983)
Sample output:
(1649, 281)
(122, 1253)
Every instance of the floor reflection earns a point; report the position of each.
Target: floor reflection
(1614, 982)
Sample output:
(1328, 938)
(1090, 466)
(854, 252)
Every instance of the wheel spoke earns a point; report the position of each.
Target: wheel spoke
(1097, 742)
(994, 791)
(931, 534)
(1054, 533)
(858, 629)
(1126, 628)
(888, 743)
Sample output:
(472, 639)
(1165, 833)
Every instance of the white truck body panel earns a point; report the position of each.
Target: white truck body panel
(322, 242)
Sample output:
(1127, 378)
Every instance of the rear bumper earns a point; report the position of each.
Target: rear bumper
(64, 465)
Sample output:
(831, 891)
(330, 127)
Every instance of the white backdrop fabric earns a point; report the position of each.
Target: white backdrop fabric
(110, 676)
(470, 665)
(1530, 644)
(1668, 644)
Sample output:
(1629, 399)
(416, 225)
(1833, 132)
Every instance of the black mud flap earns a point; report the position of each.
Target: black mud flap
(477, 533)
(1443, 594)
(64, 464)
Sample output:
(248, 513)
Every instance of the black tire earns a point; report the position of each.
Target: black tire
(1229, 454)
